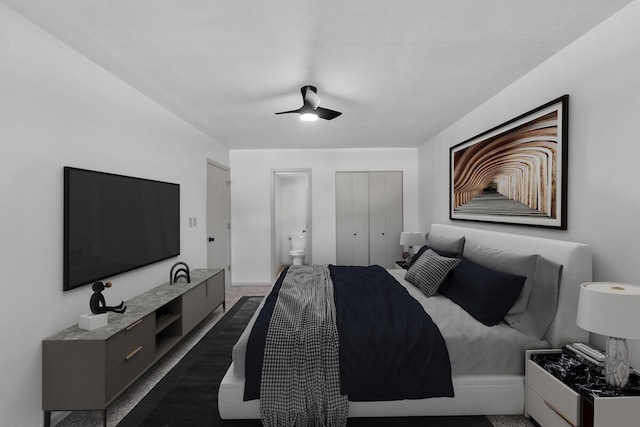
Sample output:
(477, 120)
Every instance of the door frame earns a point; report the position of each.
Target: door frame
(210, 162)
(307, 171)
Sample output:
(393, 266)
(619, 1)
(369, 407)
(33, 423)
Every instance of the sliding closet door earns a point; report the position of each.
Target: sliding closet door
(360, 255)
(344, 211)
(385, 218)
(393, 218)
(377, 218)
(368, 218)
(352, 218)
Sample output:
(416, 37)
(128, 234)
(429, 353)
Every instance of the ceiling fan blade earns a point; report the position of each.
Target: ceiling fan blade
(327, 114)
(292, 111)
(310, 96)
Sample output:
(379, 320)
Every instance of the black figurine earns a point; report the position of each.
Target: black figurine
(97, 303)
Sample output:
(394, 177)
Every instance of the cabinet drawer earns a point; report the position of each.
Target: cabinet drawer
(565, 401)
(543, 413)
(124, 342)
(132, 365)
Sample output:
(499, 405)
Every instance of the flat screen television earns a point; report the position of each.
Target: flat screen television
(115, 223)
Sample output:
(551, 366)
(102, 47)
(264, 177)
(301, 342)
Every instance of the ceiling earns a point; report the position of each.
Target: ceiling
(399, 71)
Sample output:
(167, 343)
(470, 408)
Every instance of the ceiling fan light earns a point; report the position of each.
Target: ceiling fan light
(308, 117)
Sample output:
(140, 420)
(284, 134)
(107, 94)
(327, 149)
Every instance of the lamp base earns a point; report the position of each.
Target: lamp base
(616, 363)
(408, 253)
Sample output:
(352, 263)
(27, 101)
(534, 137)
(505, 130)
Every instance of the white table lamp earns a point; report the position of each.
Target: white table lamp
(611, 309)
(409, 239)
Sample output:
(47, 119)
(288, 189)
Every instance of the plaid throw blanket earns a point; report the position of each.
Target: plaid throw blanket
(301, 373)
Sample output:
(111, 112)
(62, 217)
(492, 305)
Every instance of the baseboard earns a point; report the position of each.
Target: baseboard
(243, 284)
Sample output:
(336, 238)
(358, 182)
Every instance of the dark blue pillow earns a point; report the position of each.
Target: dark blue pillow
(485, 294)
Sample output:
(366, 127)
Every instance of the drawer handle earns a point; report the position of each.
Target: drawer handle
(134, 324)
(133, 353)
(554, 409)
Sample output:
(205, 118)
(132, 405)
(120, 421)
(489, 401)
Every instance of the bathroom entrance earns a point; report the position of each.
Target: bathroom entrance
(291, 218)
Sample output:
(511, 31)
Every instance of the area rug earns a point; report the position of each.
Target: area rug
(188, 394)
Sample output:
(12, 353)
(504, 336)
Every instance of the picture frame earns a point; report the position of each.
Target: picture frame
(516, 172)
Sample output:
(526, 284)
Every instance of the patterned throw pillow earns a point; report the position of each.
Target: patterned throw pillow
(429, 271)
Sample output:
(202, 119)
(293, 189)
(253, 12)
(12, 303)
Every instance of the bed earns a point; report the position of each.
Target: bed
(492, 384)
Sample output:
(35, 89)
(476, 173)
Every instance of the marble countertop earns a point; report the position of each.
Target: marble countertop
(137, 308)
(584, 380)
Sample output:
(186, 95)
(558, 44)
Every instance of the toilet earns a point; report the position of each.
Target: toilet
(297, 248)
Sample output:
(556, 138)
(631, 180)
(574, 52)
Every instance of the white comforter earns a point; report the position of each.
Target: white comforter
(473, 347)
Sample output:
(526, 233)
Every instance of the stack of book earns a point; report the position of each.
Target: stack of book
(586, 354)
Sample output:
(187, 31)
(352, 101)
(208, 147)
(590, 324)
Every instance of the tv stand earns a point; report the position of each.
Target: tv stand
(88, 370)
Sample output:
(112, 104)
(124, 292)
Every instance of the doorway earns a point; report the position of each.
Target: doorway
(291, 215)
(218, 219)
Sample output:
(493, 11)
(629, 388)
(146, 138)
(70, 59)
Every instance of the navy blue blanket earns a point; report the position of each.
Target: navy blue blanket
(390, 349)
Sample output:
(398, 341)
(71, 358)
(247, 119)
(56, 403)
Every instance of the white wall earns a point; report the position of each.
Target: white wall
(600, 73)
(251, 200)
(58, 109)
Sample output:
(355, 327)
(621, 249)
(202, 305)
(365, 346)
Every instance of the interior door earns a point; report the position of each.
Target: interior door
(218, 220)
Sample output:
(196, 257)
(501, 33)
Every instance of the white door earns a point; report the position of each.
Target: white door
(385, 217)
(393, 217)
(344, 218)
(352, 218)
(360, 220)
(218, 220)
(378, 218)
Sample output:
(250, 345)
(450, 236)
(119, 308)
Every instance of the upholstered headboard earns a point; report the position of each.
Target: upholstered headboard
(574, 257)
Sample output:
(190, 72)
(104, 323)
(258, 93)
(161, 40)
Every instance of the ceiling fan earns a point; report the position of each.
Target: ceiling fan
(310, 109)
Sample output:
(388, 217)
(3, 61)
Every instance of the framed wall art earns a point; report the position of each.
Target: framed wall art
(515, 173)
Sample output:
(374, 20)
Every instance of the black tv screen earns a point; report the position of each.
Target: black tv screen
(115, 223)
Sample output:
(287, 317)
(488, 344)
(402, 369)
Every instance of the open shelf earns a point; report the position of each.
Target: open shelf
(165, 321)
(164, 343)
(168, 327)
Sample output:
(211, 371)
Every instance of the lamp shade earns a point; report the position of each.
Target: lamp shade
(412, 238)
(611, 309)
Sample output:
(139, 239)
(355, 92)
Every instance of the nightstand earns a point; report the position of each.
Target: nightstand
(561, 391)
(401, 265)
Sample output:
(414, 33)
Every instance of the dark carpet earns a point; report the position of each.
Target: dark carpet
(188, 394)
